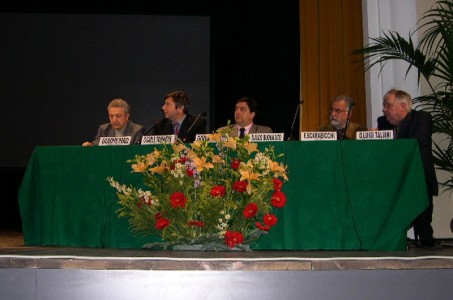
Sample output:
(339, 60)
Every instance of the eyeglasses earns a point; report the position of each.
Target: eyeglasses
(336, 110)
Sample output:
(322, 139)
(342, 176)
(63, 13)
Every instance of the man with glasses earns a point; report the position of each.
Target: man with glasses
(340, 113)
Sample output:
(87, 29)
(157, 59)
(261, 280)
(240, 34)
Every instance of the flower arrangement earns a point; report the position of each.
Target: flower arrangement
(218, 193)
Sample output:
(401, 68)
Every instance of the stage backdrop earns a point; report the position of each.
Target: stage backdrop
(59, 72)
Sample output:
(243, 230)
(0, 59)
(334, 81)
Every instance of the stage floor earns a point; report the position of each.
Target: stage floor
(13, 254)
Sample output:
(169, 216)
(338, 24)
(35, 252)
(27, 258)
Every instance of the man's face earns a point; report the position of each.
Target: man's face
(170, 110)
(394, 110)
(242, 114)
(339, 114)
(118, 117)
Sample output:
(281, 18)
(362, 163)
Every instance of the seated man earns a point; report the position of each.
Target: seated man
(408, 123)
(120, 125)
(177, 119)
(340, 112)
(244, 113)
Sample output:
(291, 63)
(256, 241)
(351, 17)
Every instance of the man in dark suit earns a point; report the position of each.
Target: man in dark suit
(120, 125)
(411, 124)
(177, 119)
(244, 113)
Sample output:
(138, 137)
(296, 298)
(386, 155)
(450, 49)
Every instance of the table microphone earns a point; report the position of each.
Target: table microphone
(290, 138)
(342, 133)
(194, 122)
(154, 126)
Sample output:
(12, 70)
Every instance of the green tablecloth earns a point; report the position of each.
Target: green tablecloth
(342, 195)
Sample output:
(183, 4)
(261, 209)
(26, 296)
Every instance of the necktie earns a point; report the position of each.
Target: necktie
(242, 132)
(176, 128)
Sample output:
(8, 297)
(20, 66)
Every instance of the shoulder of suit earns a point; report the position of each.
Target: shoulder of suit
(104, 126)
(421, 113)
(134, 126)
(356, 126)
(262, 126)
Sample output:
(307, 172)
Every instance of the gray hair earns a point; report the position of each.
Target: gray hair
(119, 103)
(346, 99)
(400, 96)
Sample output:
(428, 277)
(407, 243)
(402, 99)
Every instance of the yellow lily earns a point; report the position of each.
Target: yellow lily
(248, 176)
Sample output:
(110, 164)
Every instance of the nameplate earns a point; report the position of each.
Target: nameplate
(266, 137)
(115, 140)
(158, 139)
(204, 137)
(374, 135)
(318, 136)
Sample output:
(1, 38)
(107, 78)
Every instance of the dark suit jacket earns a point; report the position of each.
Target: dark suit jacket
(417, 125)
(131, 129)
(187, 132)
(254, 129)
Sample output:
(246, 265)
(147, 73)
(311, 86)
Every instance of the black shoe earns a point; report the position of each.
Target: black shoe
(433, 244)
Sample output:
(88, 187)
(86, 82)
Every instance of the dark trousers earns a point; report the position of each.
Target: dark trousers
(423, 231)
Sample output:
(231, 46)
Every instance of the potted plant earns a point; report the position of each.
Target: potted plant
(433, 59)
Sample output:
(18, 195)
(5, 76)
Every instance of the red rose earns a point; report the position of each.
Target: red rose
(189, 173)
(270, 219)
(278, 184)
(233, 238)
(262, 227)
(218, 190)
(235, 163)
(158, 216)
(240, 186)
(178, 200)
(278, 199)
(162, 223)
(250, 210)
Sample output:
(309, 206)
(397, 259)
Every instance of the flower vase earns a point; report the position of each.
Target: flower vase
(209, 247)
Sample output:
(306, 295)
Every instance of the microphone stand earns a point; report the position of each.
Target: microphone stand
(154, 126)
(194, 122)
(342, 133)
(290, 137)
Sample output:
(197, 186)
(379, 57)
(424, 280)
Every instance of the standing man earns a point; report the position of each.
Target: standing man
(244, 113)
(120, 125)
(340, 112)
(177, 119)
(411, 124)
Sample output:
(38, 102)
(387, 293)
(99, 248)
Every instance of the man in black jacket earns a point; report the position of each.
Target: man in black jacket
(411, 124)
(177, 119)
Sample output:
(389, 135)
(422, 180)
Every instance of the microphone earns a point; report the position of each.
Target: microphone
(342, 133)
(154, 126)
(290, 138)
(193, 124)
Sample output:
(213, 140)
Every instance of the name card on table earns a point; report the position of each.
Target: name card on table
(203, 137)
(374, 135)
(158, 139)
(115, 140)
(318, 136)
(266, 137)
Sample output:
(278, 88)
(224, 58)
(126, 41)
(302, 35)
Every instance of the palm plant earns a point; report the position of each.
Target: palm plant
(433, 59)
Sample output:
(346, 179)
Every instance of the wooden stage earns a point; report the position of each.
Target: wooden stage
(87, 273)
